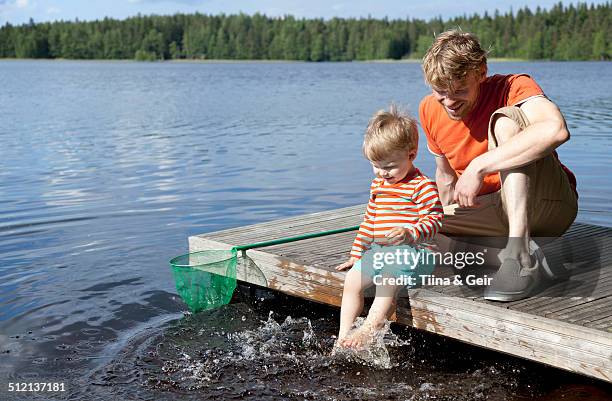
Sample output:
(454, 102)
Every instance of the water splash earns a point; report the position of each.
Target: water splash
(376, 353)
(284, 339)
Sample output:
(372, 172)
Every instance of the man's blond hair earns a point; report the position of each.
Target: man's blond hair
(452, 56)
(389, 131)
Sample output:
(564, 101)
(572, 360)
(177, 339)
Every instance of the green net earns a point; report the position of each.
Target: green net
(205, 280)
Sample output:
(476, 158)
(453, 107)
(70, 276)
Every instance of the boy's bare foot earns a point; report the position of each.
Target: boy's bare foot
(359, 338)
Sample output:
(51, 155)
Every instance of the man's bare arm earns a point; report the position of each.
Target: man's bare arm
(547, 130)
(445, 180)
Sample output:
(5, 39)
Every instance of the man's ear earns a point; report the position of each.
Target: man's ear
(483, 72)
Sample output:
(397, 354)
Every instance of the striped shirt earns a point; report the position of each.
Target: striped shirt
(412, 203)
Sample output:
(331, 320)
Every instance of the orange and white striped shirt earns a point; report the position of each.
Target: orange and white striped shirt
(411, 203)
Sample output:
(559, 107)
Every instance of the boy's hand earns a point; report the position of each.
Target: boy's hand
(348, 264)
(398, 236)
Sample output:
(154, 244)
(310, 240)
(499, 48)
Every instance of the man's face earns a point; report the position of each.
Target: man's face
(459, 101)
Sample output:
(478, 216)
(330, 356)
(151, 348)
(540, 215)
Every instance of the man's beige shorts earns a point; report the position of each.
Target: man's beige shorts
(553, 204)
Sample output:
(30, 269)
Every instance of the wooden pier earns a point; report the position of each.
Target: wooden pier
(568, 325)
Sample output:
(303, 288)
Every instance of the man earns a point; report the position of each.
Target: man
(494, 141)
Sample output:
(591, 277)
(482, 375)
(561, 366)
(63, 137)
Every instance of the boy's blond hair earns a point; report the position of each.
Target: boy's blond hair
(451, 57)
(389, 131)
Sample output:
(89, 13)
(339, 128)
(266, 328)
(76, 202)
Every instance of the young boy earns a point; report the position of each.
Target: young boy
(404, 208)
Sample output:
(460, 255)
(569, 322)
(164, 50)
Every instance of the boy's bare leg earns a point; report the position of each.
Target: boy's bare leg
(382, 308)
(352, 301)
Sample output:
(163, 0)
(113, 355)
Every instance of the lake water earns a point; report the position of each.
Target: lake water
(107, 167)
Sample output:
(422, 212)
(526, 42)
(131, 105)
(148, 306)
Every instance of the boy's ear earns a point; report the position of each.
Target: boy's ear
(412, 155)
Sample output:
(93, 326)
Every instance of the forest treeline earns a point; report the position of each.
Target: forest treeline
(573, 32)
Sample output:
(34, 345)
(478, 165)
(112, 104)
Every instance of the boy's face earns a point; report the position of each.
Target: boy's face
(395, 167)
(459, 101)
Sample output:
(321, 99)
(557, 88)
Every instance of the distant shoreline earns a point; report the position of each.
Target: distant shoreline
(558, 33)
(234, 61)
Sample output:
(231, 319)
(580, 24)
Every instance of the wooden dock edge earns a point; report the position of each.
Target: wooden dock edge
(571, 347)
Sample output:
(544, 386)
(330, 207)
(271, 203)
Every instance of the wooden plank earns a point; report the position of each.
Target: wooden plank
(601, 324)
(582, 229)
(317, 251)
(328, 245)
(586, 312)
(575, 348)
(295, 221)
(252, 235)
(567, 294)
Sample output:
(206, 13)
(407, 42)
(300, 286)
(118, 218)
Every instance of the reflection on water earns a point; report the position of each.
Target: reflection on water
(106, 168)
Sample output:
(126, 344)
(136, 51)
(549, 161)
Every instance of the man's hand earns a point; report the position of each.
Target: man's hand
(348, 264)
(467, 187)
(398, 236)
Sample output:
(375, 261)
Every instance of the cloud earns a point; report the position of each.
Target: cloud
(21, 3)
(53, 10)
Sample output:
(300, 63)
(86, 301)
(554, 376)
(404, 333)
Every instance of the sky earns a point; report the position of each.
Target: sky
(20, 11)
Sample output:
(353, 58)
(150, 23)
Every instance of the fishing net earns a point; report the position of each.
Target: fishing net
(205, 280)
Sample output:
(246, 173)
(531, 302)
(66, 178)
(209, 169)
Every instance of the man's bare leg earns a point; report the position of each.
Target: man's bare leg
(514, 192)
(517, 276)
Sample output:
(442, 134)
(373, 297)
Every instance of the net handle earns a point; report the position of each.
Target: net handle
(293, 239)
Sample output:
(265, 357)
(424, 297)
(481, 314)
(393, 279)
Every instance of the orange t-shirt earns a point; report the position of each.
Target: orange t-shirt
(462, 141)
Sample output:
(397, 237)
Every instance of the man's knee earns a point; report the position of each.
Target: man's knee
(504, 128)
(504, 124)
